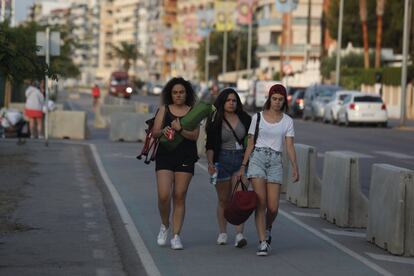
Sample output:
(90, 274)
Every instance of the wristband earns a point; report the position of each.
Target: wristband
(243, 165)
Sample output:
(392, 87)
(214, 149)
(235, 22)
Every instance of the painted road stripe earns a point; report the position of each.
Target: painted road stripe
(345, 233)
(146, 258)
(303, 214)
(336, 244)
(389, 258)
(353, 153)
(332, 242)
(393, 154)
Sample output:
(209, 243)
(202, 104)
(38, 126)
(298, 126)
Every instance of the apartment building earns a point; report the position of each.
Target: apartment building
(7, 11)
(119, 22)
(301, 41)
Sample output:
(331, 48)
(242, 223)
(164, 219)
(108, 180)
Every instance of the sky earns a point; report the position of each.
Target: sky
(22, 7)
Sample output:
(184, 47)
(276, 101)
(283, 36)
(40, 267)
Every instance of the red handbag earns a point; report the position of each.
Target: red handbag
(241, 206)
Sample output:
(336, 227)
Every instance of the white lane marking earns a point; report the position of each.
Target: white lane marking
(103, 272)
(336, 244)
(358, 154)
(87, 205)
(303, 214)
(98, 254)
(345, 233)
(91, 224)
(393, 154)
(389, 258)
(202, 166)
(94, 237)
(136, 239)
(332, 242)
(89, 214)
(353, 153)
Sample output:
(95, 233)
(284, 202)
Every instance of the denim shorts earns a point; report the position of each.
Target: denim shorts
(266, 163)
(229, 162)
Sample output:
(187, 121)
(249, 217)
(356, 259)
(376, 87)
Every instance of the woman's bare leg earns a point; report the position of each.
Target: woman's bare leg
(182, 181)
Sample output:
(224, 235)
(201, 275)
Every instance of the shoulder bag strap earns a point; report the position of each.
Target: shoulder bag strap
(256, 131)
(234, 133)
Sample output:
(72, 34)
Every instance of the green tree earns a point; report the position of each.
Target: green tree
(393, 18)
(236, 53)
(127, 52)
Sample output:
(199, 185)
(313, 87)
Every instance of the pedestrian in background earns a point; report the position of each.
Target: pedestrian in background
(264, 153)
(226, 130)
(96, 93)
(174, 168)
(34, 109)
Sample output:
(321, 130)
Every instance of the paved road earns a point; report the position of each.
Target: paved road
(303, 243)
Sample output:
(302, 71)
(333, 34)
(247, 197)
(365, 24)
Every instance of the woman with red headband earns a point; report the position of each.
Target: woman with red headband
(268, 132)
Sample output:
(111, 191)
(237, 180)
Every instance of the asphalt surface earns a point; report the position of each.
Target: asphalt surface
(303, 244)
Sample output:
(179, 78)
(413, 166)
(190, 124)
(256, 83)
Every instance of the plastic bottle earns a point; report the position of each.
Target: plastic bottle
(213, 177)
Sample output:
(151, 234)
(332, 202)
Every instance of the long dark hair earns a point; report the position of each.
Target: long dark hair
(167, 90)
(215, 120)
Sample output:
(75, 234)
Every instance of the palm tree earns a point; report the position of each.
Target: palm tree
(380, 13)
(127, 52)
(363, 16)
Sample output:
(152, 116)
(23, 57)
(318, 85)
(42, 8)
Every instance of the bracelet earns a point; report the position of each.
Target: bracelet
(210, 164)
(243, 165)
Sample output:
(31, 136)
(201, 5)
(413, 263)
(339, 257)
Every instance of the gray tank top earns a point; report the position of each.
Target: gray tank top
(228, 141)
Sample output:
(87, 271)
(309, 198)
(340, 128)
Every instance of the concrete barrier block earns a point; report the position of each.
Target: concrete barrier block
(20, 106)
(142, 107)
(342, 201)
(201, 142)
(67, 125)
(107, 110)
(128, 126)
(307, 191)
(390, 213)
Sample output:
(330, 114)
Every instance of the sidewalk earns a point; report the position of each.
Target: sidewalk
(53, 219)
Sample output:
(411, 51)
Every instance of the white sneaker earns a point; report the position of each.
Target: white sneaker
(162, 235)
(222, 239)
(240, 241)
(176, 243)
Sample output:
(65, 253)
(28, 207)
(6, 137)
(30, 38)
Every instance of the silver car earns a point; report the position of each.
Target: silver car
(316, 97)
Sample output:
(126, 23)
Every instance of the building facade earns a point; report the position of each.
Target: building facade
(7, 11)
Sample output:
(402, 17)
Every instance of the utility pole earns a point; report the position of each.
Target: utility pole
(406, 39)
(225, 38)
(47, 57)
(339, 42)
(207, 59)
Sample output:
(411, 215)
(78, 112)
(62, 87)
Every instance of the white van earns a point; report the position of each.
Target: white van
(261, 91)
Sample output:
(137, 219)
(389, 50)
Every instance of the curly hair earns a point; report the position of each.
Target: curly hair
(167, 90)
(216, 119)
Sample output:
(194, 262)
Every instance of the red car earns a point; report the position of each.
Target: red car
(119, 85)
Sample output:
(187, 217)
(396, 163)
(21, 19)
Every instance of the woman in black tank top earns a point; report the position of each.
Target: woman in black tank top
(174, 168)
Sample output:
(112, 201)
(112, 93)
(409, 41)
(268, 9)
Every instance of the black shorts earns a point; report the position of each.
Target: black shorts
(174, 163)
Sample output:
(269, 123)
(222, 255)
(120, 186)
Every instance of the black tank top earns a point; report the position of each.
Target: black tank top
(187, 149)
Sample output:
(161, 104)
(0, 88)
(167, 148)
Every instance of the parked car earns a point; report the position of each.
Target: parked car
(330, 114)
(363, 108)
(291, 90)
(119, 85)
(155, 89)
(296, 103)
(315, 99)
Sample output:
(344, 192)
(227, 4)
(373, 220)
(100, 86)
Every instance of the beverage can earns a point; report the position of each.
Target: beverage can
(170, 134)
